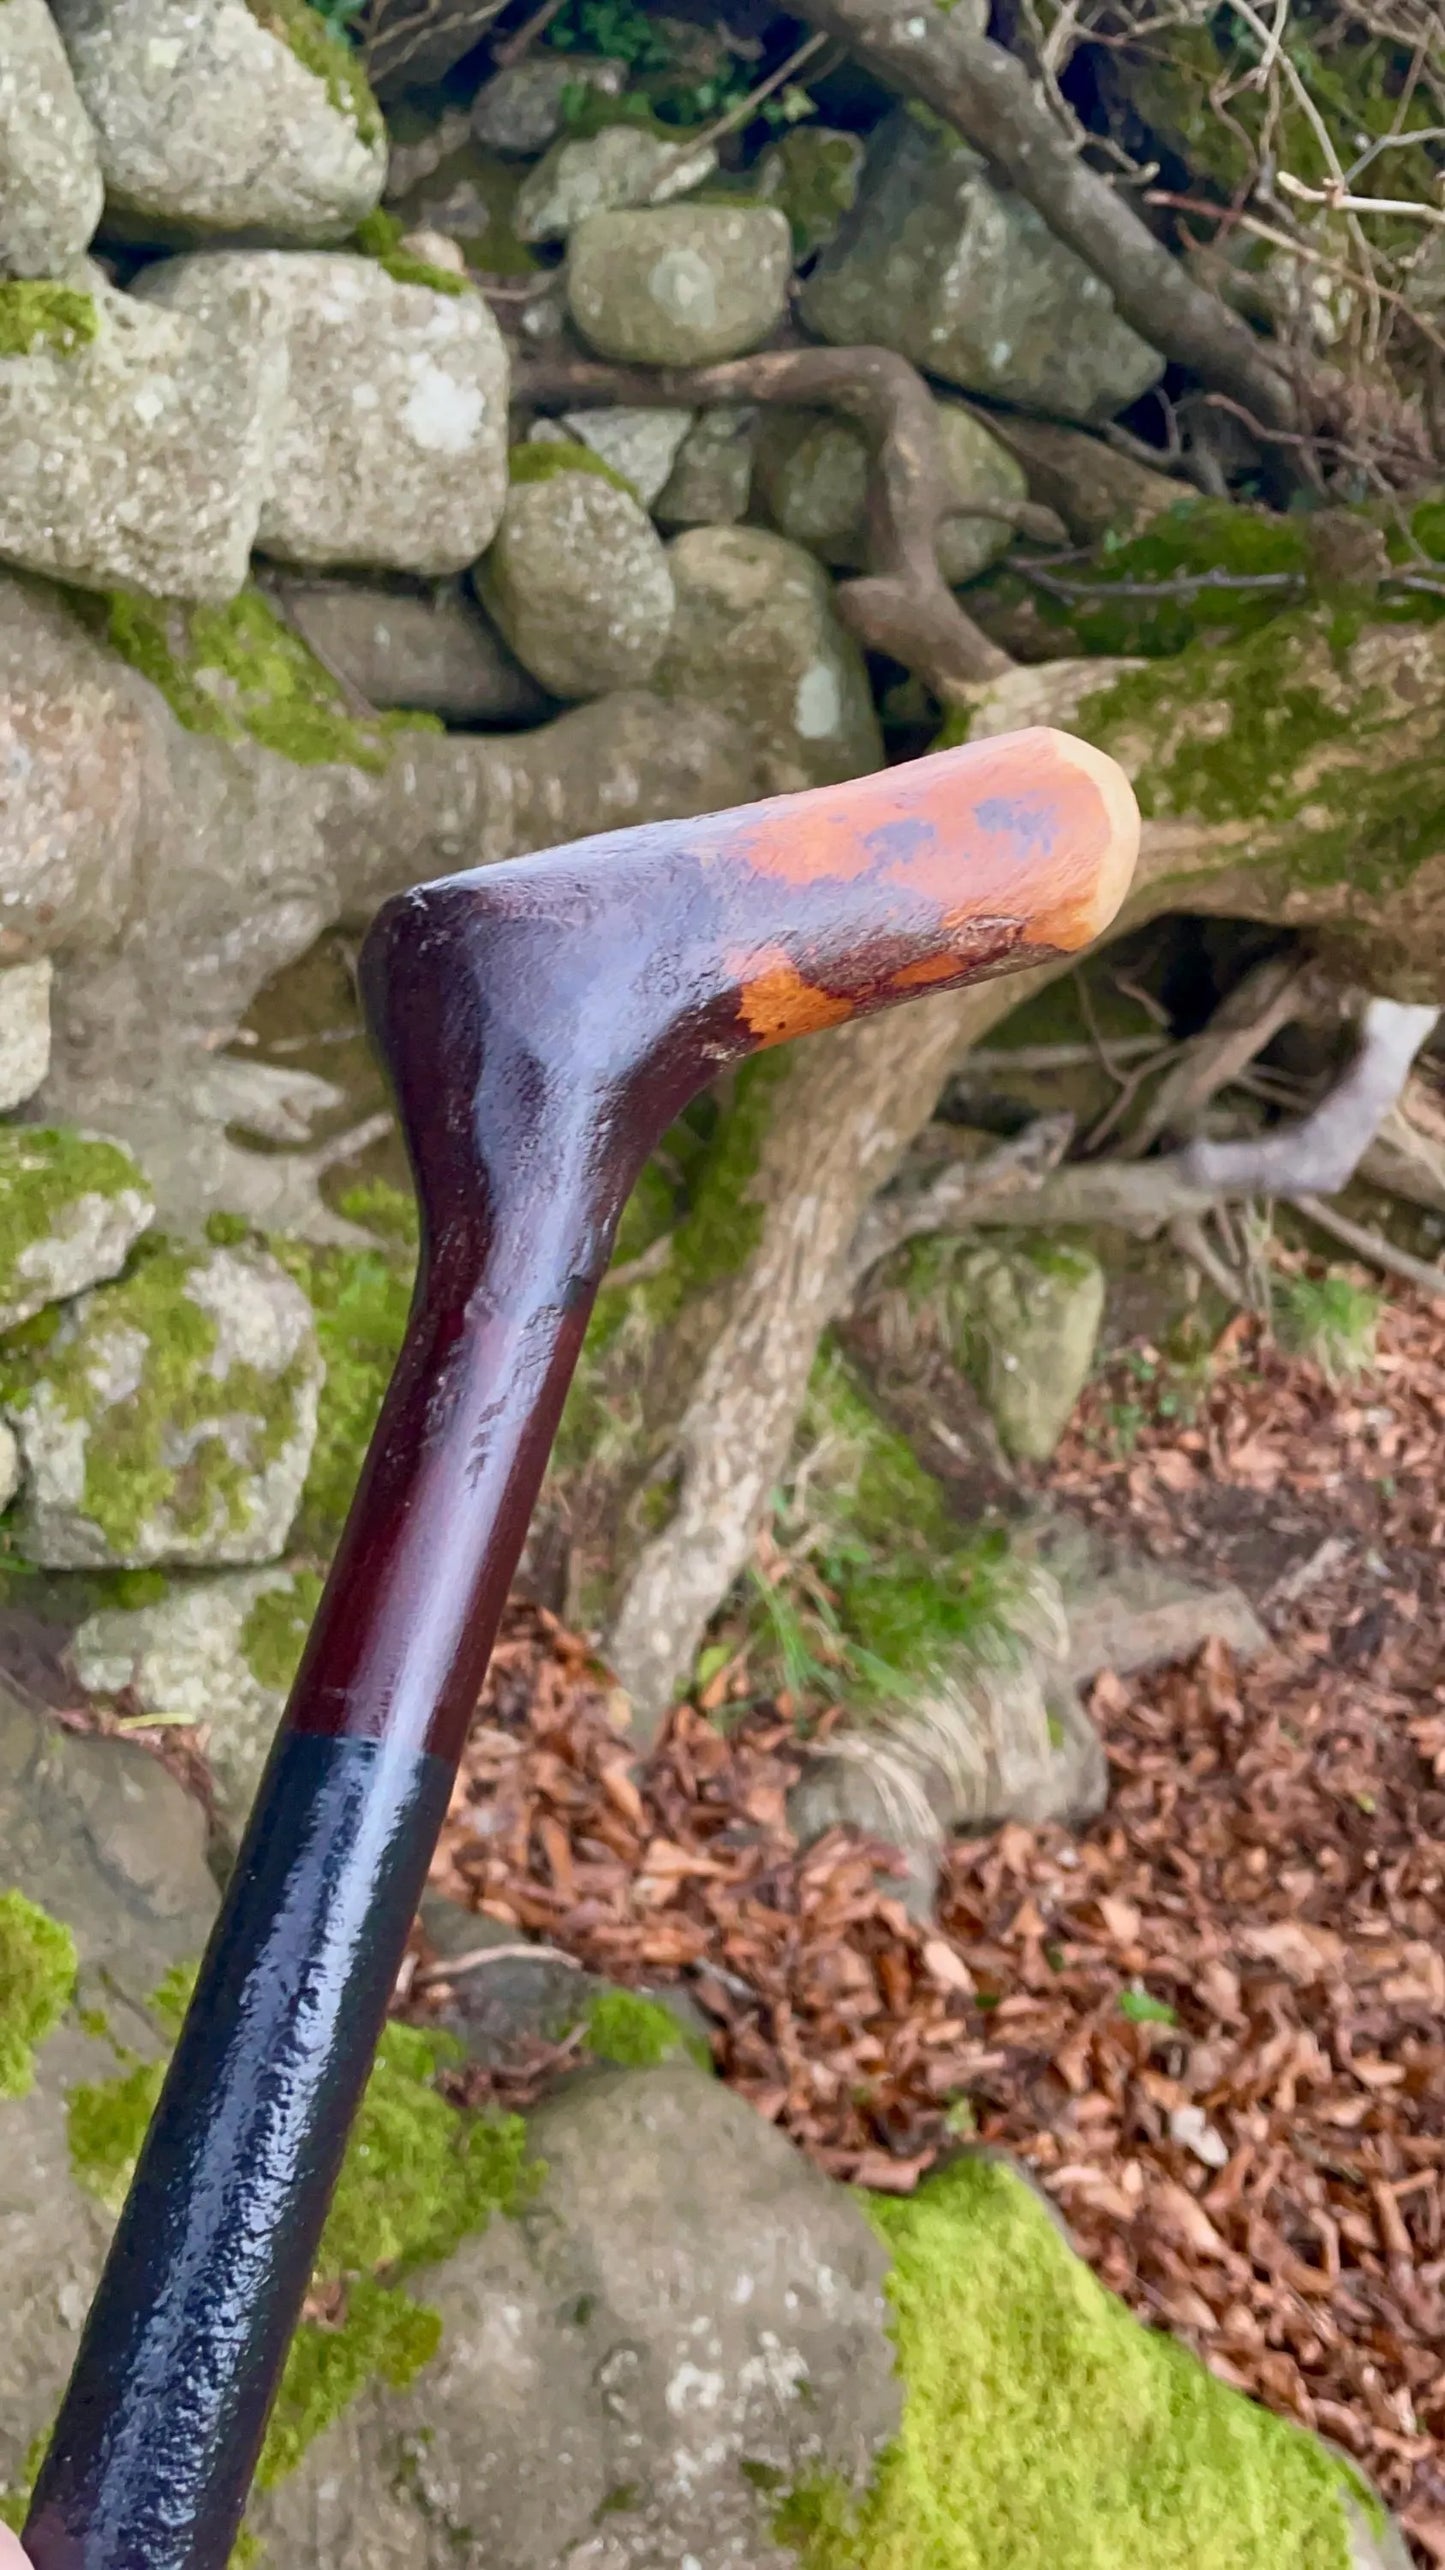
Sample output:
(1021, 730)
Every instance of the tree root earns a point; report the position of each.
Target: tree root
(903, 606)
(1294, 1163)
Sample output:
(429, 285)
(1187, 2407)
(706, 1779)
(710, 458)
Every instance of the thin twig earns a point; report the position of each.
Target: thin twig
(1052, 1057)
(350, 1145)
(514, 46)
(478, 1959)
(1189, 584)
(1189, 1237)
(1339, 202)
(747, 108)
(1299, 250)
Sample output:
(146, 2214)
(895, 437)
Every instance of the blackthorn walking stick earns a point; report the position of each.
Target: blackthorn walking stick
(543, 1022)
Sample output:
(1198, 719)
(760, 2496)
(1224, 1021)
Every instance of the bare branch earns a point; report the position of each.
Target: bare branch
(903, 606)
(1023, 1181)
(1321, 1153)
(1265, 999)
(1187, 584)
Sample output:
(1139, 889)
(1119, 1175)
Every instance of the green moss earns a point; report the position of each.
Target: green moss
(540, 459)
(361, 1299)
(1276, 733)
(696, 1191)
(324, 51)
(380, 237)
(44, 1171)
(384, 2337)
(1195, 538)
(418, 2176)
(722, 1226)
(15, 2495)
(37, 1982)
(634, 2033)
(274, 1633)
(240, 672)
(892, 1590)
(106, 2126)
(813, 177)
(390, 1212)
(36, 313)
(129, 1476)
(1045, 2429)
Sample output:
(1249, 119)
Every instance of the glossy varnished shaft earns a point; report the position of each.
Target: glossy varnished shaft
(543, 1022)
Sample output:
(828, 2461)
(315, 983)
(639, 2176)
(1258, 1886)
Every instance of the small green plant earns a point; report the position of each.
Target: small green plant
(1143, 2009)
(677, 75)
(1331, 1320)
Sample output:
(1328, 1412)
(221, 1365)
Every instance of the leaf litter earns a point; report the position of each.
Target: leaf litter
(1211, 2024)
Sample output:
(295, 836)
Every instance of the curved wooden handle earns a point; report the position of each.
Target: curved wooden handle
(543, 1021)
(975, 861)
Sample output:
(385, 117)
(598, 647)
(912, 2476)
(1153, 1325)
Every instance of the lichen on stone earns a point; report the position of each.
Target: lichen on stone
(37, 313)
(1045, 2429)
(323, 50)
(240, 672)
(37, 1982)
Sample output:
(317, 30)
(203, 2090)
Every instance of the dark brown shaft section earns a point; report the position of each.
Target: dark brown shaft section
(544, 1022)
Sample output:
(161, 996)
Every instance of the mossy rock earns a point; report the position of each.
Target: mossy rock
(1045, 2429)
(168, 1417)
(221, 1652)
(626, 163)
(420, 2175)
(248, 118)
(240, 672)
(360, 1299)
(38, 313)
(812, 174)
(1025, 1322)
(37, 1979)
(577, 578)
(71, 1208)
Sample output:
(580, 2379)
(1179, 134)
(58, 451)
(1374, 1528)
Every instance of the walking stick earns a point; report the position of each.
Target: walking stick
(543, 1022)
